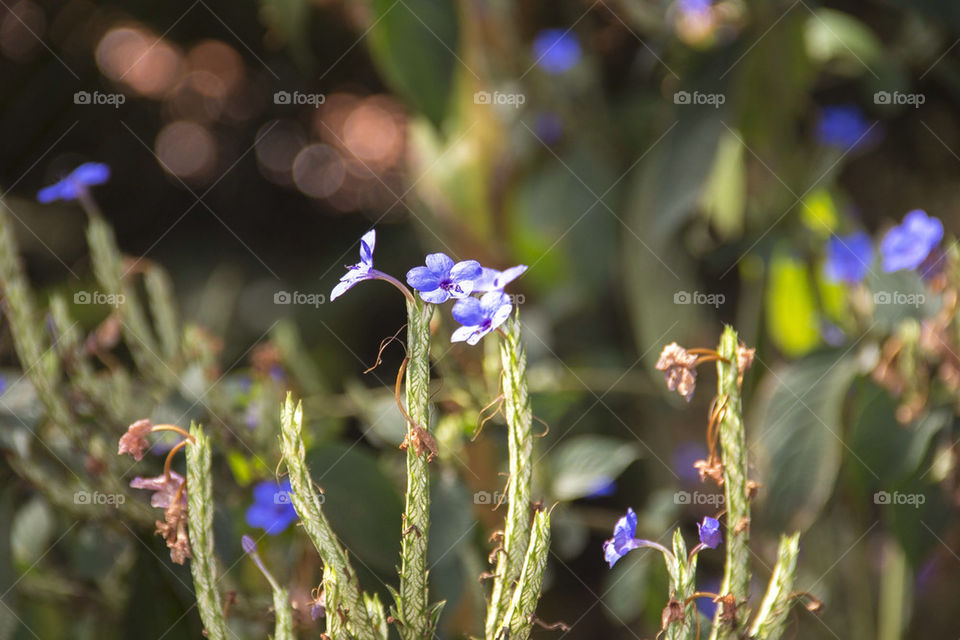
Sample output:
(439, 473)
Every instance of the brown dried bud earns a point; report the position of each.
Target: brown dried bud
(134, 441)
(712, 470)
(673, 612)
(679, 369)
(744, 361)
(743, 525)
(173, 528)
(728, 609)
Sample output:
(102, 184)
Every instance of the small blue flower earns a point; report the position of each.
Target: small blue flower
(272, 508)
(908, 244)
(623, 540)
(556, 50)
(493, 280)
(441, 279)
(361, 271)
(70, 187)
(480, 316)
(844, 127)
(604, 488)
(709, 531)
(849, 258)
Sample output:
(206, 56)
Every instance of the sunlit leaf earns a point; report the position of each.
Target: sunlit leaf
(791, 306)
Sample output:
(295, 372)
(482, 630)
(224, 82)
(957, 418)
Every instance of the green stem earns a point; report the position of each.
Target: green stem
(519, 616)
(203, 566)
(771, 619)
(341, 586)
(682, 586)
(736, 573)
(519, 416)
(413, 603)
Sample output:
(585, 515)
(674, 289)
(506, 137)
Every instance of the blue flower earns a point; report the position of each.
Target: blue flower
(556, 50)
(441, 279)
(844, 127)
(709, 531)
(480, 316)
(623, 540)
(849, 258)
(74, 184)
(272, 509)
(493, 280)
(361, 271)
(908, 244)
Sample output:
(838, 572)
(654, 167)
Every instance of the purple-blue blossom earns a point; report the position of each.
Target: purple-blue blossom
(493, 280)
(480, 316)
(849, 258)
(556, 50)
(272, 509)
(75, 183)
(361, 271)
(909, 243)
(709, 531)
(623, 540)
(844, 127)
(443, 279)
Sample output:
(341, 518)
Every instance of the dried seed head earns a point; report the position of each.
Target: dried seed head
(744, 361)
(134, 441)
(679, 369)
(673, 612)
(173, 528)
(728, 609)
(712, 470)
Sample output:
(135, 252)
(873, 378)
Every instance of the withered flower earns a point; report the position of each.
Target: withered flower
(173, 528)
(166, 488)
(673, 612)
(679, 367)
(134, 441)
(744, 361)
(710, 469)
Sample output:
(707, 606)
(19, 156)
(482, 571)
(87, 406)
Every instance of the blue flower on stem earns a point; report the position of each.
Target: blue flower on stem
(272, 508)
(493, 280)
(364, 270)
(480, 316)
(709, 531)
(441, 279)
(624, 540)
(908, 244)
(844, 127)
(75, 184)
(556, 50)
(849, 258)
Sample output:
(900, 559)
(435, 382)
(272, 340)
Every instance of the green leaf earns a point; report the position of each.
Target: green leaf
(361, 503)
(796, 436)
(839, 38)
(413, 44)
(583, 464)
(31, 532)
(724, 196)
(791, 307)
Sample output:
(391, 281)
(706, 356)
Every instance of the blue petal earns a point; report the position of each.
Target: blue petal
(462, 334)
(439, 263)
(468, 312)
(478, 333)
(367, 244)
(342, 287)
(263, 492)
(437, 296)
(466, 270)
(90, 173)
(509, 275)
(626, 527)
(53, 192)
(487, 280)
(492, 302)
(849, 258)
(423, 279)
(556, 50)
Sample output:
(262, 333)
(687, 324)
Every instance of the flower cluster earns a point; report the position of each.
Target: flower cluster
(481, 305)
(905, 246)
(624, 538)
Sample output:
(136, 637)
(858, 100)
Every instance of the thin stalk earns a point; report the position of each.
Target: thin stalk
(771, 619)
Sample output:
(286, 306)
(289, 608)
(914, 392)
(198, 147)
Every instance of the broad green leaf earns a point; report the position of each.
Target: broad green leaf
(791, 307)
(724, 195)
(413, 43)
(796, 437)
(363, 506)
(839, 38)
(32, 531)
(583, 464)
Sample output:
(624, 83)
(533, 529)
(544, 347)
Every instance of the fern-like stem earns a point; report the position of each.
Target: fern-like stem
(519, 615)
(203, 565)
(347, 616)
(413, 604)
(771, 619)
(519, 416)
(733, 448)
